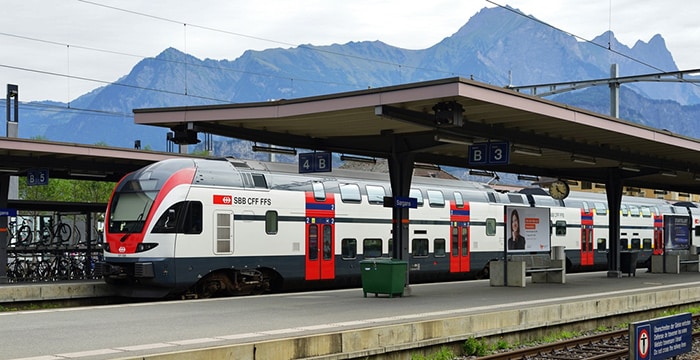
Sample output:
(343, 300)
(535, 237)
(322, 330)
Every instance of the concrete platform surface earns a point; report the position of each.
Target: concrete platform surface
(320, 324)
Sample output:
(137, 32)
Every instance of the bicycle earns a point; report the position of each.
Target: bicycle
(57, 234)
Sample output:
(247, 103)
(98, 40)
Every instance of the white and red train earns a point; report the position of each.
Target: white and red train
(210, 227)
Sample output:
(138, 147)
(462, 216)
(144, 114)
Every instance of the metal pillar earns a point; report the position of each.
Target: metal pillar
(614, 93)
(400, 173)
(6, 179)
(613, 190)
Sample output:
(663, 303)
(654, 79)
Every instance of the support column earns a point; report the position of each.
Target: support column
(400, 173)
(4, 220)
(613, 190)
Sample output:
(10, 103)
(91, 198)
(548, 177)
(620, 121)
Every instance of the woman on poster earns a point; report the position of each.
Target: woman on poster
(516, 240)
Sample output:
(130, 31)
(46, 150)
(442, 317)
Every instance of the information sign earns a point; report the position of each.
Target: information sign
(405, 202)
(315, 162)
(37, 177)
(661, 338)
(8, 212)
(489, 153)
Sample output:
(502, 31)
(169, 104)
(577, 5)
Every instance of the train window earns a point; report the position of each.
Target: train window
(623, 210)
(348, 248)
(585, 207)
(646, 211)
(271, 222)
(602, 244)
(455, 241)
(634, 210)
(439, 245)
(600, 209)
(167, 222)
(646, 243)
(372, 248)
(375, 194)
(436, 198)
(224, 232)
(327, 242)
(490, 227)
(515, 199)
(560, 228)
(636, 243)
(350, 193)
(624, 243)
(259, 181)
(313, 242)
(492, 197)
(459, 202)
(419, 247)
(416, 194)
(319, 191)
(697, 231)
(192, 224)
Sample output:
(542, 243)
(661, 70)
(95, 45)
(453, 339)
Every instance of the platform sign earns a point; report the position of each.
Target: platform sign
(405, 202)
(489, 153)
(661, 338)
(315, 162)
(8, 212)
(37, 177)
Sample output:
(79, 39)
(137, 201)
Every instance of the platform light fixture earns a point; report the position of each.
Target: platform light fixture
(524, 150)
(669, 173)
(426, 166)
(529, 178)
(627, 167)
(274, 150)
(85, 174)
(583, 160)
(8, 170)
(452, 140)
(361, 159)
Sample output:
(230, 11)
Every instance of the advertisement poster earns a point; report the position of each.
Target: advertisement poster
(527, 229)
(677, 232)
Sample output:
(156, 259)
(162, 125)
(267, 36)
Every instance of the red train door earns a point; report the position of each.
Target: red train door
(587, 246)
(459, 239)
(658, 235)
(320, 236)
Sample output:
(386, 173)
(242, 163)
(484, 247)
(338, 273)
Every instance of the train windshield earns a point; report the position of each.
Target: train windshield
(130, 207)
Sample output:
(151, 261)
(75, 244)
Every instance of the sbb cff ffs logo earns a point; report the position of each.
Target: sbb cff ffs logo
(223, 199)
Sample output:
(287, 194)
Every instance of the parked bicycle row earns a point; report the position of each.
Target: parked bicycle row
(51, 266)
(48, 231)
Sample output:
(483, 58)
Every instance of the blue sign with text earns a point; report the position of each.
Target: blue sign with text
(37, 177)
(315, 162)
(661, 338)
(489, 153)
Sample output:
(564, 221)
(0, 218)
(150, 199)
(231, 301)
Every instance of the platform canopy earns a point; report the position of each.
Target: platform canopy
(435, 121)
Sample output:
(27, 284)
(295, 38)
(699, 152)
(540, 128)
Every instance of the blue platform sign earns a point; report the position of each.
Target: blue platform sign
(405, 202)
(37, 177)
(489, 153)
(315, 162)
(8, 212)
(661, 338)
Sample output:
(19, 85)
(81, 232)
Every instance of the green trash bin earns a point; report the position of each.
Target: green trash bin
(383, 276)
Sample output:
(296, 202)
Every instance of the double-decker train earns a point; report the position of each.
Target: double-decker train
(210, 227)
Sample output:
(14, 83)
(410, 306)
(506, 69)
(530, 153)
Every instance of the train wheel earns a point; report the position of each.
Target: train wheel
(215, 284)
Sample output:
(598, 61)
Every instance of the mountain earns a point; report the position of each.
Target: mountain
(499, 46)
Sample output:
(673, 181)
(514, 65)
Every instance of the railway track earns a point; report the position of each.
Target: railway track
(611, 345)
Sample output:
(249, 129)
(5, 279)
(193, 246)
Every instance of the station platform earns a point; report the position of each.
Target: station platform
(44, 291)
(338, 324)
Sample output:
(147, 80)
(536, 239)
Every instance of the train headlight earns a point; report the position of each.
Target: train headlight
(145, 247)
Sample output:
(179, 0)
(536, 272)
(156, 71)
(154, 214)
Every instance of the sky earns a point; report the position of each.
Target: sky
(59, 50)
